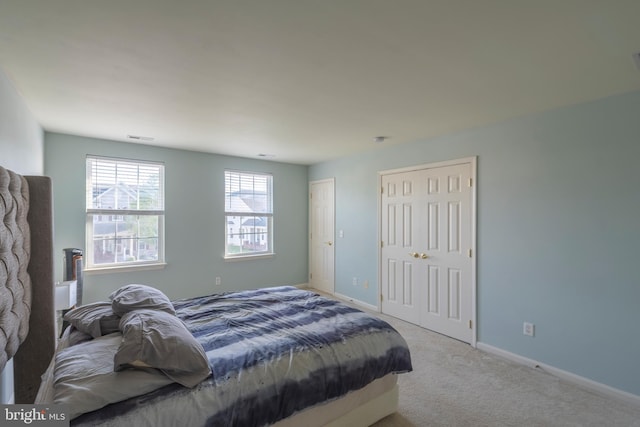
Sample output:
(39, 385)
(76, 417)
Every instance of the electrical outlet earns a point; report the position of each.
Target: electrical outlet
(528, 329)
(355, 281)
(365, 284)
(218, 281)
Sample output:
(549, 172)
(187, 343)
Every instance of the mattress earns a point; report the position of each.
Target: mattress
(274, 353)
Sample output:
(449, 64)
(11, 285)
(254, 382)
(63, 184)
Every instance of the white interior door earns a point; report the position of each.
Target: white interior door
(321, 236)
(426, 254)
(400, 209)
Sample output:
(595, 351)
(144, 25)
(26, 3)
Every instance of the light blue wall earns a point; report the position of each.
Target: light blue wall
(21, 150)
(194, 223)
(558, 232)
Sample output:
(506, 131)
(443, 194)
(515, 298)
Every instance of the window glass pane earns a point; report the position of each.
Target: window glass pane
(246, 192)
(250, 236)
(119, 184)
(249, 211)
(115, 188)
(125, 238)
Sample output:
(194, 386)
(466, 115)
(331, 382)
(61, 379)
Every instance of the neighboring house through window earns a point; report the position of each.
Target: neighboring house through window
(125, 212)
(248, 214)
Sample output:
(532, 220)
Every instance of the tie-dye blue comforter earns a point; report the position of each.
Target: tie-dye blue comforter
(273, 352)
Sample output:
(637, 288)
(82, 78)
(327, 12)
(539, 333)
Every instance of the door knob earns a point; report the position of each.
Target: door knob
(414, 254)
(329, 243)
(424, 256)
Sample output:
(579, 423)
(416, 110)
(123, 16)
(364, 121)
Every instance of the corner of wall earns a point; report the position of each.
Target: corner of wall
(21, 136)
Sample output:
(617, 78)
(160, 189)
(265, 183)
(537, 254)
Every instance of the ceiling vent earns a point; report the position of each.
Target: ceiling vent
(380, 139)
(140, 138)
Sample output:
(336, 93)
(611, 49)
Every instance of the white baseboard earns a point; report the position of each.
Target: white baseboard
(357, 302)
(344, 298)
(567, 376)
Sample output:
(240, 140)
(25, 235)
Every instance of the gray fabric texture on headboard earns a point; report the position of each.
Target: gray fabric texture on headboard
(27, 310)
(15, 251)
(34, 355)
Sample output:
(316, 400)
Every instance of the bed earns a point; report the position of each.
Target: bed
(278, 356)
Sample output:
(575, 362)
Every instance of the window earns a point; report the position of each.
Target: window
(248, 209)
(125, 213)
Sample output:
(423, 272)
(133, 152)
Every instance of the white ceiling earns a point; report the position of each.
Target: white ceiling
(309, 80)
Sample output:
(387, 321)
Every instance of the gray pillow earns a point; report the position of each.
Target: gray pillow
(136, 297)
(155, 339)
(85, 380)
(77, 337)
(96, 319)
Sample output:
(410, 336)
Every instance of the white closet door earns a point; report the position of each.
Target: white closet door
(426, 259)
(400, 215)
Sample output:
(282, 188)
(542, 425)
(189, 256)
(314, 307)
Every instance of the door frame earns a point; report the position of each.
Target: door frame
(309, 239)
(474, 253)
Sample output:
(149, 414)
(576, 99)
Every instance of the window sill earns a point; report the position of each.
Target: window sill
(249, 257)
(125, 268)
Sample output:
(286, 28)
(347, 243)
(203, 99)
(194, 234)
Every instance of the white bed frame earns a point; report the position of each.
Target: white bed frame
(360, 408)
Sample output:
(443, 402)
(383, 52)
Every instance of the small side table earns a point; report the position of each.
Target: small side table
(65, 299)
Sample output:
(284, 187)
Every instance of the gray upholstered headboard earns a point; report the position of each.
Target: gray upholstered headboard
(27, 317)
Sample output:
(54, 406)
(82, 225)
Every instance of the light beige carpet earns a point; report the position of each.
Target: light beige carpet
(453, 384)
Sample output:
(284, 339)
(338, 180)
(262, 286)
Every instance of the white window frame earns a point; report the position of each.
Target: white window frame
(240, 230)
(91, 211)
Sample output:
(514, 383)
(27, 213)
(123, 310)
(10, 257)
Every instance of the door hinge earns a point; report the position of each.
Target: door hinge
(470, 182)
(381, 190)
(380, 297)
(470, 324)
(311, 195)
(382, 243)
(310, 276)
(470, 253)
